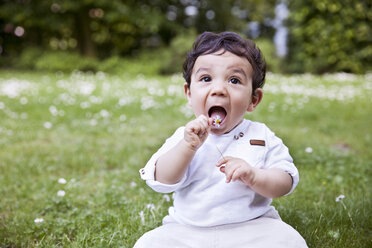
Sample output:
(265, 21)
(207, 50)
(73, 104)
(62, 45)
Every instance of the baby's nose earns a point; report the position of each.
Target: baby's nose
(219, 88)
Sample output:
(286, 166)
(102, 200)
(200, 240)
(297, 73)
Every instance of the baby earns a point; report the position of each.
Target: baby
(224, 170)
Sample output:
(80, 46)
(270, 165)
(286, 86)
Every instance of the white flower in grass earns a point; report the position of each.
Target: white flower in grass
(124, 101)
(334, 234)
(147, 102)
(100, 75)
(150, 206)
(86, 88)
(95, 99)
(142, 216)
(62, 181)
(93, 122)
(308, 149)
(61, 193)
(53, 110)
(23, 100)
(48, 125)
(104, 113)
(133, 184)
(166, 198)
(84, 105)
(38, 220)
(186, 110)
(173, 89)
(13, 87)
(339, 198)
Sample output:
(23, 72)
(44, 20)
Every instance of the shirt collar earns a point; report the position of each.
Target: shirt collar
(241, 128)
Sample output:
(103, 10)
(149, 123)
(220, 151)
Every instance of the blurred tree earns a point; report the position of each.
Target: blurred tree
(24, 24)
(330, 35)
(102, 28)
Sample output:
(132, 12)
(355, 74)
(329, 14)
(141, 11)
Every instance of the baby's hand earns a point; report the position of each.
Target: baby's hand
(196, 131)
(237, 169)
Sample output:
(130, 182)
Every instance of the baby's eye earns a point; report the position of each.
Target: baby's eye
(205, 79)
(234, 81)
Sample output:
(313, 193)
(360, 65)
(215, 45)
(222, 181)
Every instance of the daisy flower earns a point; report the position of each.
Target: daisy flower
(217, 120)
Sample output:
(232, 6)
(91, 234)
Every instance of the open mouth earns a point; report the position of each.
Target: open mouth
(218, 114)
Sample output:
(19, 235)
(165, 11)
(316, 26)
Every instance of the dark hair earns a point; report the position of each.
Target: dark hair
(208, 43)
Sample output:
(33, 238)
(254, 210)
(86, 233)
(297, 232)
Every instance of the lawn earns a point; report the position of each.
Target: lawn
(71, 146)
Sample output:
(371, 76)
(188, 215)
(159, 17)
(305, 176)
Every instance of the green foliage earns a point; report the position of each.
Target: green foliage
(28, 58)
(325, 35)
(166, 60)
(330, 35)
(267, 47)
(147, 63)
(65, 61)
(112, 65)
(118, 28)
(34, 58)
(175, 55)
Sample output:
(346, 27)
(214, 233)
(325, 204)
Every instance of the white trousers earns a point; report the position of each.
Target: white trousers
(267, 231)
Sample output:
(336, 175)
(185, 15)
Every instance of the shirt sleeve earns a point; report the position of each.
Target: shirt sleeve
(278, 157)
(148, 172)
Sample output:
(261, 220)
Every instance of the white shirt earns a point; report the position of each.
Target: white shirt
(202, 197)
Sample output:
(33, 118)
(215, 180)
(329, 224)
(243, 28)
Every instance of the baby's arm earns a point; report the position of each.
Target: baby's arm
(267, 182)
(171, 166)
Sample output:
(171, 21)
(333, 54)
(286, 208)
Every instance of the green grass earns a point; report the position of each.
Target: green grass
(97, 130)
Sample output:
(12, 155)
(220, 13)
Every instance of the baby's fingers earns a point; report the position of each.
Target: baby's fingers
(229, 171)
(238, 173)
(202, 125)
(223, 160)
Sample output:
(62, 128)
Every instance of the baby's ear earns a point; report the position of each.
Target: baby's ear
(187, 93)
(256, 99)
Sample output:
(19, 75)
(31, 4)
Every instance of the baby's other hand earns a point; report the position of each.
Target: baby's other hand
(196, 131)
(237, 169)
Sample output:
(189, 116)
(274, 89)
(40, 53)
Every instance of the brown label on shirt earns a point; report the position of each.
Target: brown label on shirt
(257, 142)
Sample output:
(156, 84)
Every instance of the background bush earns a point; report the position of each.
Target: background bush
(175, 55)
(324, 35)
(65, 61)
(330, 35)
(36, 59)
(273, 62)
(165, 60)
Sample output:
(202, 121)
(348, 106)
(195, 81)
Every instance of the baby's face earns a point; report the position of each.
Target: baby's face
(221, 85)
